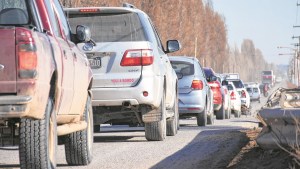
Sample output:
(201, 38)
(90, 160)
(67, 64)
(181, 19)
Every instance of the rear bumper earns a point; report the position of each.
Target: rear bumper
(235, 105)
(244, 102)
(192, 102)
(255, 97)
(14, 106)
(134, 95)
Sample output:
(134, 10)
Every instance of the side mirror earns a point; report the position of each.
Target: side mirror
(173, 46)
(83, 33)
(179, 75)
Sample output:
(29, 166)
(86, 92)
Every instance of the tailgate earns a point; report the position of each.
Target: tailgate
(7, 60)
(105, 60)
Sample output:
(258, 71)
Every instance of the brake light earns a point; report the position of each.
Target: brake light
(27, 60)
(197, 85)
(137, 57)
(243, 94)
(26, 53)
(232, 96)
(215, 84)
(88, 10)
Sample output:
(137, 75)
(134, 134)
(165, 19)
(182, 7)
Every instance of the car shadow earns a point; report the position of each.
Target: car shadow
(114, 138)
(10, 166)
(205, 151)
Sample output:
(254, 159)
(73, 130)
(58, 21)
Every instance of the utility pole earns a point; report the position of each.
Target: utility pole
(296, 60)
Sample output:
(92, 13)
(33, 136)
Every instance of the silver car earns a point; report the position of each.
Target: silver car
(134, 82)
(254, 92)
(195, 95)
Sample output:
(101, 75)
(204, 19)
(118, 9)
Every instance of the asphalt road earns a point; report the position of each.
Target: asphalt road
(193, 147)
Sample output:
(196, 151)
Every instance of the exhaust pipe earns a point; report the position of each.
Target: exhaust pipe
(126, 104)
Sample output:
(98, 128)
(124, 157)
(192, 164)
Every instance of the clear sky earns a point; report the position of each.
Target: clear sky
(269, 23)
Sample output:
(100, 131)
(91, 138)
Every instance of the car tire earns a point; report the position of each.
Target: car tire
(202, 117)
(237, 113)
(172, 123)
(156, 131)
(38, 141)
(78, 145)
(221, 113)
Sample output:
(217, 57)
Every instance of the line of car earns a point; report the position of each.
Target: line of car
(136, 83)
(59, 86)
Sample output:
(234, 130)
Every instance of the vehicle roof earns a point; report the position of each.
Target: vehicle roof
(105, 10)
(183, 58)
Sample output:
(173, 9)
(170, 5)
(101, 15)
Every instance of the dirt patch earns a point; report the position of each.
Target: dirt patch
(252, 156)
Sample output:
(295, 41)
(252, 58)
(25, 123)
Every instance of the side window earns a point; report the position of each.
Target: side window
(53, 19)
(156, 36)
(62, 18)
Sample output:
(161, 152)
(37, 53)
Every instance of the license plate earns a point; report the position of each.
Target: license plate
(95, 63)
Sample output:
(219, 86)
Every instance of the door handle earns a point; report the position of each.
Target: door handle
(1, 67)
(65, 54)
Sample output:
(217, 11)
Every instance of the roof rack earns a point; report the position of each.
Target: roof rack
(128, 5)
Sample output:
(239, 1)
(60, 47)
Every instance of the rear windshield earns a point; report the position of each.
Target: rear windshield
(117, 27)
(230, 87)
(267, 72)
(255, 90)
(208, 72)
(183, 68)
(13, 12)
(238, 84)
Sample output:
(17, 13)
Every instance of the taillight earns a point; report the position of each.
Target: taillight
(232, 96)
(243, 94)
(197, 85)
(137, 57)
(215, 84)
(26, 53)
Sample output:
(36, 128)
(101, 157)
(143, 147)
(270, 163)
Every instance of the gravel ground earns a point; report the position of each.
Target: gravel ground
(217, 146)
(193, 147)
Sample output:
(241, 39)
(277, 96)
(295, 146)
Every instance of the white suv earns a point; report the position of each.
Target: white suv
(134, 82)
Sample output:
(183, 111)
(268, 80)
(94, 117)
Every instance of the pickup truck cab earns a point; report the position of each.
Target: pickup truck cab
(44, 84)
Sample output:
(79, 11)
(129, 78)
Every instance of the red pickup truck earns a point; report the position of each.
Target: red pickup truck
(45, 83)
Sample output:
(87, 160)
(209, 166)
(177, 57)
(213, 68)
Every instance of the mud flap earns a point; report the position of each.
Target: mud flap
(149, 116)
